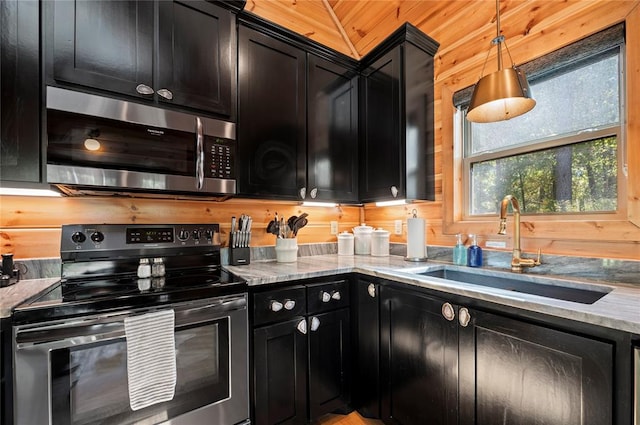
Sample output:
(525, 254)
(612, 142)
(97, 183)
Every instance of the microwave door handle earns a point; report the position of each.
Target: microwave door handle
(199, 154)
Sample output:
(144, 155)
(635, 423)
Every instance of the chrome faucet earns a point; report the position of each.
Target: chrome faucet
(517, 262)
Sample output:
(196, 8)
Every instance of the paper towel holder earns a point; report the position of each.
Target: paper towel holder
(422, 241)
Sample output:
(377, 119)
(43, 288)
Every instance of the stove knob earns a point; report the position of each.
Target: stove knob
(183, 235)
(208, 234)
(196, 234)
(78, 237)
(97, 237)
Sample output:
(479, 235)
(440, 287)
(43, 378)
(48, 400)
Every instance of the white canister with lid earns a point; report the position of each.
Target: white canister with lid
(345, 243)
(362, 237)
(380, 243)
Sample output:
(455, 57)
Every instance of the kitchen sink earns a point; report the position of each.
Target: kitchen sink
(516, 284)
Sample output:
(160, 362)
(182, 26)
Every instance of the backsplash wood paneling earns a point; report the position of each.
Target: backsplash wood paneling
(30, 226)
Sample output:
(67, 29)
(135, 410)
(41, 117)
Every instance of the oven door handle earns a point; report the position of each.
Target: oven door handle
(103, 328)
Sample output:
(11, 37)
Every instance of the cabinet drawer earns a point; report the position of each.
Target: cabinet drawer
(327, 296)
(279, 305)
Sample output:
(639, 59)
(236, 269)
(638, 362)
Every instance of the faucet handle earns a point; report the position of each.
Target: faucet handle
(537, 263)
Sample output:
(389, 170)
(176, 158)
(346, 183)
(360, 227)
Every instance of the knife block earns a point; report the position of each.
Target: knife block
(239, 255)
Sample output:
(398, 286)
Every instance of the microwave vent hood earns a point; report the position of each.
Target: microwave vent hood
(104, 146)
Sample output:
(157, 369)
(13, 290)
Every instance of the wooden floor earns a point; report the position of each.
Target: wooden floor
(351, 419)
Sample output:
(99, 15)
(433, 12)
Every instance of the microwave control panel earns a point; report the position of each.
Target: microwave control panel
(219, 158)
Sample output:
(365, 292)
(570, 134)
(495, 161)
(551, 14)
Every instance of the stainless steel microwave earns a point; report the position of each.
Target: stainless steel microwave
(100, 145)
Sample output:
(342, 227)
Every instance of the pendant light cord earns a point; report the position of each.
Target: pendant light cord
(498, 41)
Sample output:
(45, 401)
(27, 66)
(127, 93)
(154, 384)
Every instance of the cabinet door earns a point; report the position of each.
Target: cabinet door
(329, 362)
(280, 373)
(366, 379)
(20, 154)
(419, 360)
(104, 44)
(512, 372)
(196, 55)
(332, 145)
(380, 152)
(271, 117)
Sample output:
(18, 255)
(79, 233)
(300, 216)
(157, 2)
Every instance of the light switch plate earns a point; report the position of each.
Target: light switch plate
(334, 227)
(397, 227)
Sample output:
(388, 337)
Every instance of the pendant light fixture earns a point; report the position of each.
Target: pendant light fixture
(503, 94)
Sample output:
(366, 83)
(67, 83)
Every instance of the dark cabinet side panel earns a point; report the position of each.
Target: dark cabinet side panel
(329, 362)
(271, 116)
(20, 155)
(419, 360)
(380, 153)
(518, 373)
(332, 157)
(106, 45)
(280, 374)
(196, 57)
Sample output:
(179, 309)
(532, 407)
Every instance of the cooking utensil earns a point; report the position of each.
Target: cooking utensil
(299, 223)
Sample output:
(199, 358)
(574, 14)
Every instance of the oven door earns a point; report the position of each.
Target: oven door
(75, 372)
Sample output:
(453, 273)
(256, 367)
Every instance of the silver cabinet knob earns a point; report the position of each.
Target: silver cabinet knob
(303, 192)
(315, 324)
(144, 89)
(371, 289)
(394, 191)
(448, 312)
(302, 327)
(325, 296)
(289, 304)
(275, 306)
(336, 296)
(314, 193)
(166, 93)
(464, 317)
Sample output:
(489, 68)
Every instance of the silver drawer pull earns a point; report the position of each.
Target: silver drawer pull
(144, 89)
(166, 93)
(275, 306)
(464, 317)
(315, 324)
(371, 289)
(448, 312)
(336, 296)
(302, 327)
(325, 296)
(289, 304)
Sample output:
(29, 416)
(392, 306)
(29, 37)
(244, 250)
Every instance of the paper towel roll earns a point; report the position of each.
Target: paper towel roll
(416, 239)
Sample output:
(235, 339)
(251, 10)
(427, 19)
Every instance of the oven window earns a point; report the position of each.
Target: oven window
(89, 384)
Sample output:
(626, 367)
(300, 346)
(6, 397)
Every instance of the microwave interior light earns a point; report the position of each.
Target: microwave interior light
(91, 144)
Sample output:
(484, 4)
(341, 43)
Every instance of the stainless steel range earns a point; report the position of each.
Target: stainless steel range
(74, 345)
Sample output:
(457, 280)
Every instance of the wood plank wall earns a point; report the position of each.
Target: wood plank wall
(30, 226)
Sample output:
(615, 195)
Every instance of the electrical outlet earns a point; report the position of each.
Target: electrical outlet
(398, 227)
(334, 227)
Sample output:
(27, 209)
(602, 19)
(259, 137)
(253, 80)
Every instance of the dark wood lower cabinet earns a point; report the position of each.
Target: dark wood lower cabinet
(329, 362)
(512, 372)
(280, 374)
(419, 354)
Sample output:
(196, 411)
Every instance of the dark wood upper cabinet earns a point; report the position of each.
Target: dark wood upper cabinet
(21, 154)
(271, 116)
(396, 127)
(110, 46)
(332, 144)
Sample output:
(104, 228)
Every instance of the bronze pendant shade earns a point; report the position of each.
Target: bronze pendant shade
(503, 94)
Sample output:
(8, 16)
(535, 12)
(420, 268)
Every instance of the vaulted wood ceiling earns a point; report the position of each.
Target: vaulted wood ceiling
(464, 28)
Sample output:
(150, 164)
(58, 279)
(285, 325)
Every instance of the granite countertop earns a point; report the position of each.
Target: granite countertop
(619, 309)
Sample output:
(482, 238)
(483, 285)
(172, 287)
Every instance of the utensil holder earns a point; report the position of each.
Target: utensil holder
(239, 250)
(286, 250)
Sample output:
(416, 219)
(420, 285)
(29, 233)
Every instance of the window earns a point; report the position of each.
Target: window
(565, 155)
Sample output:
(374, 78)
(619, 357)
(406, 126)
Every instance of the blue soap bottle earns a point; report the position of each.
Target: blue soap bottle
(474, 253)
(459, 252)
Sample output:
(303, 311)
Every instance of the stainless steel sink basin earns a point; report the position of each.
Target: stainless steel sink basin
(523, 285)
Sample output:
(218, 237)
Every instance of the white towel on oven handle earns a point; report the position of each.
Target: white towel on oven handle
(151, 358)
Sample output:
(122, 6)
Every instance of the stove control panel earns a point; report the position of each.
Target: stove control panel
(142, 237)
